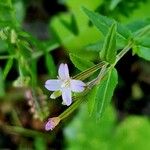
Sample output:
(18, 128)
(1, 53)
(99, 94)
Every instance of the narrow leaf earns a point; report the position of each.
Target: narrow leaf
(105, 92)
(2, 91)
(50, 65)
(109, 52)
(91, 97)
(80, 63)
(7, 68)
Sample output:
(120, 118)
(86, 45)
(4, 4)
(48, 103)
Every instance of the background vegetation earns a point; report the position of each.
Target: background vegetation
(35, 37)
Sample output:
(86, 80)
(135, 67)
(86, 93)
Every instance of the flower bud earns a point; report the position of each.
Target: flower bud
(52, 123)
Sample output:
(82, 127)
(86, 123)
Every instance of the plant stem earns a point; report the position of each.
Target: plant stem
(7, 56)
(68, 111)
(25, 132)
(85, 74)
(123, 52)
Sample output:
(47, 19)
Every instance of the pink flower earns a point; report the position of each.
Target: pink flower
(65, 85)
(52, 123)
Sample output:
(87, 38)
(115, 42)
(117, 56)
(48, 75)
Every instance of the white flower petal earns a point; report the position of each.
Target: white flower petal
(77, 85)
(66, 96)
(63, 71)
(53, 85)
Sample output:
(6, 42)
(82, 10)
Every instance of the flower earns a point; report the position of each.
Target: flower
(52, 123)
(64, 85)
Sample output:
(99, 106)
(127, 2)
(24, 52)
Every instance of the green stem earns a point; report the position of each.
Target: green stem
(25, 132)
(7, 56)
(83, 75)
(40, 53)
(123, 52)
(68, 111)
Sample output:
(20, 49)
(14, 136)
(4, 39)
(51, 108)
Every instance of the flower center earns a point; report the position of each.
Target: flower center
(65, 83)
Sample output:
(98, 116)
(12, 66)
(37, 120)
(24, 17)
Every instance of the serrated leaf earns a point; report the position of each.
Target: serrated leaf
(80, 62)
(109, 52)
(105, 92)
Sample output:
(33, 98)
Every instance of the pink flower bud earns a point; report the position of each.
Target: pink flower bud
(52, 123)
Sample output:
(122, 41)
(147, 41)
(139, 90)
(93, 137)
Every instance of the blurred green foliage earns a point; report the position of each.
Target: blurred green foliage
(83, 132)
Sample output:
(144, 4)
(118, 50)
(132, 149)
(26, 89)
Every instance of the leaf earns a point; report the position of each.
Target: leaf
(80, 63)
(109, 52)
(103, 23)
(105, 92)
(50, 65)
(114, 4)
(91, 96)
(143, 52)
(7, 13)
(95, 47)
(144, 41)
(7, 68)
(138, 24)
(71, 26)
(2, 91)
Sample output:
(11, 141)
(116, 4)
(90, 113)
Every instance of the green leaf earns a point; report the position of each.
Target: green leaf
(138, 24)
(7, 68)
(50, 65)
(103, 23)
(95, 47)
(80, 63)
(144, 41)
(91, 96)
(72, 26)
(105, 92)
(143, 52)
(114, 3)
(109, 52)
(2, 91)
